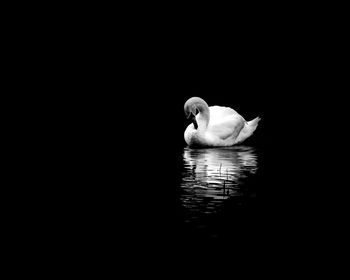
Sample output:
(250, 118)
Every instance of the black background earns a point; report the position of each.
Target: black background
(124, 84)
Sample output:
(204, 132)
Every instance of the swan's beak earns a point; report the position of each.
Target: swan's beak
(193, 119)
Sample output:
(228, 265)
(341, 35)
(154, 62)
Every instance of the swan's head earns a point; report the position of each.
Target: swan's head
(191, 107)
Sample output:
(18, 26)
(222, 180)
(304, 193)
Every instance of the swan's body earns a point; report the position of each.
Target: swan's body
(216, 126)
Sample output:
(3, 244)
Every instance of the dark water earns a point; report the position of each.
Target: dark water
(213, 175)
(216, 190)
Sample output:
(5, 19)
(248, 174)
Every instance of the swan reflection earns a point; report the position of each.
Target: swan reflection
(214, 174)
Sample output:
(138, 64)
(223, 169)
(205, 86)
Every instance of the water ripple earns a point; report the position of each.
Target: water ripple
(214, 174)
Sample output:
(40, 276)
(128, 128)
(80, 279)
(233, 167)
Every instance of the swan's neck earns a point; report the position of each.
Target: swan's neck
(203, 117)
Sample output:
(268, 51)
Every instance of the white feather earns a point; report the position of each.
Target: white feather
(217, 126)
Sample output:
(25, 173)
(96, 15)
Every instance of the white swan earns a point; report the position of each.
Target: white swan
(215, 126)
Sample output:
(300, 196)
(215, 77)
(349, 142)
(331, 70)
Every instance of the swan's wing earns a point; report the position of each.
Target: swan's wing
(226, 127)
(218, 112)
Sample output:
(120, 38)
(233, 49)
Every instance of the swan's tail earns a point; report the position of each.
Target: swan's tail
(253, 123)
(247, 130)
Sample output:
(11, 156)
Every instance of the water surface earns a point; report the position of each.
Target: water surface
(211, 176)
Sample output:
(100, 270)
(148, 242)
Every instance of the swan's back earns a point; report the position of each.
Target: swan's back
(218, 113)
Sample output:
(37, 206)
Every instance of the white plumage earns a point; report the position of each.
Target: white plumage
(215, 126)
